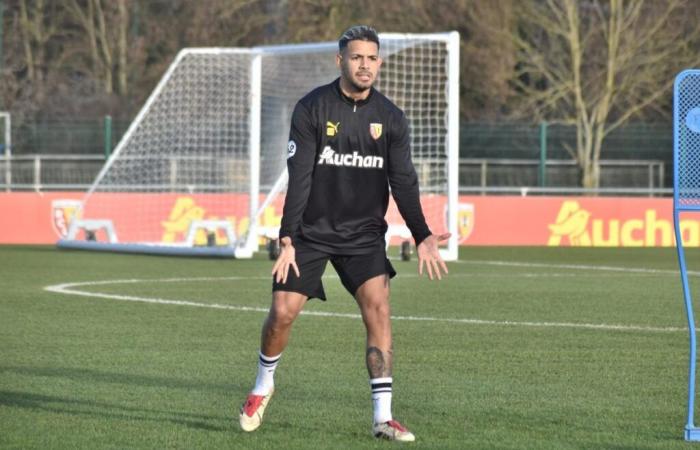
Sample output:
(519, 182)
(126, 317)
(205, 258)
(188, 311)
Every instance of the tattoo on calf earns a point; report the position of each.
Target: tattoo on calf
(378, 363)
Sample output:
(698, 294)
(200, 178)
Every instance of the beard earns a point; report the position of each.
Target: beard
(358, 85)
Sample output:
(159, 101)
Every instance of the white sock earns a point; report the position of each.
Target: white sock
(264, 383)
(381, 399)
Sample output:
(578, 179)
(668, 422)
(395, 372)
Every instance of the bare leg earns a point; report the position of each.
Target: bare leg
(275, 335)
(285, 308)
(373, 299)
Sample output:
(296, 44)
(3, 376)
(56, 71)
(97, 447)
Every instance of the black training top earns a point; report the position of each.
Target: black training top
(340, 156)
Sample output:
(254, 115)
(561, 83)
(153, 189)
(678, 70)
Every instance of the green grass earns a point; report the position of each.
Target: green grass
(89, 372)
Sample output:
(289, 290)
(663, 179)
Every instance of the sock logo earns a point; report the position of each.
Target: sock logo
(331, 158)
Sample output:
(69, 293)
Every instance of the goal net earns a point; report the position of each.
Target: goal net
(202, 168)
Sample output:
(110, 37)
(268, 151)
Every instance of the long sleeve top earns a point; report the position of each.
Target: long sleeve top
(342, 156)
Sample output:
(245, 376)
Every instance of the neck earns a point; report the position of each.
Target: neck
(350, 91)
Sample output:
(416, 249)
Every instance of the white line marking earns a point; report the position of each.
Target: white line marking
(577, 267)
(70, 289)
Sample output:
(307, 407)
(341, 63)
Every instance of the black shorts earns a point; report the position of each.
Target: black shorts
(353, 270)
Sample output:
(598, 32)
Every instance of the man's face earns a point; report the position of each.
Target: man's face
(359, 64)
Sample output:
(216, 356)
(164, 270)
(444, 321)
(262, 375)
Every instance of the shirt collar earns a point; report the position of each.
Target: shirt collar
(350, 100)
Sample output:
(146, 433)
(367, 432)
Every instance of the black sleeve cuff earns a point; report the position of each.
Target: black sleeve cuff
(420, 237)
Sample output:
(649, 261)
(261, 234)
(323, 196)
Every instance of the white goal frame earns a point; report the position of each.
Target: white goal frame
(247, 243)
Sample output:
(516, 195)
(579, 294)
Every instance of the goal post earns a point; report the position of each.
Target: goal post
(210, 144)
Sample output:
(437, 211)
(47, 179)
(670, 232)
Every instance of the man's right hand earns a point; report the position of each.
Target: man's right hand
(286, 259)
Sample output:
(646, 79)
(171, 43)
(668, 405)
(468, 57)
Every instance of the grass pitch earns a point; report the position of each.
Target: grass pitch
(519, 348)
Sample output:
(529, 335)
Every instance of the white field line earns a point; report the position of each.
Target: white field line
(576, 267)
(70, 289)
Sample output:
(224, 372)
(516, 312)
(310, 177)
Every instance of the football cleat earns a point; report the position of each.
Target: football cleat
(252, 411)
(393, 431)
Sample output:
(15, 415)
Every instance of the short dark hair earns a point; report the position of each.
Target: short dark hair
(358, 33)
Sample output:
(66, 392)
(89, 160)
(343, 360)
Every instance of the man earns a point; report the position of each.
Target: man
(347, 144)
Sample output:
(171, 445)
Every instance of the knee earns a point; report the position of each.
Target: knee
(282, 315)
(377, 307)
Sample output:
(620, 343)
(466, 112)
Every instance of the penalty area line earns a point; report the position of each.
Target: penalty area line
(70, 289)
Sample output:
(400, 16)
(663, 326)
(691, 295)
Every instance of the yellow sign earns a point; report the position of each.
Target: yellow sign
(185, 210)
(183, 213)
(572, 223)
(576, 226)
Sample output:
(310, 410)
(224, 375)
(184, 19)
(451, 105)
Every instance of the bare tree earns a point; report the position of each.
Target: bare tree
(91, 16)
(39, 23)
(594, 64)
(488, 59)
(122, 49)
(322, 20)
(105, 47)
(226, 23)
(597, 63)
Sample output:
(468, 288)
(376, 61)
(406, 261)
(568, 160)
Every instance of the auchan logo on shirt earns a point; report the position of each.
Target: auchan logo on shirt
(331, 158)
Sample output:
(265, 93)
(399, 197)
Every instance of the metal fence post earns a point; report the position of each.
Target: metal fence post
(37, 173)
(108, 136)
(542, 173)
(7, 150)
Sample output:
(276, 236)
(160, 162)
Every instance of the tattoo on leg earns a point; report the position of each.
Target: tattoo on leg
(378, 362)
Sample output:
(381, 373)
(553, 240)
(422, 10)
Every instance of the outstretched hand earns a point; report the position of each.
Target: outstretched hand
(286, 259)
(429, 255)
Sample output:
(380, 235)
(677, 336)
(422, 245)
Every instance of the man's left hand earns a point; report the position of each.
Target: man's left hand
(429, 255)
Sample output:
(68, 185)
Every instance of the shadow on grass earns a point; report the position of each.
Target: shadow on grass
(87, 375)
(104, 410)
(88, 408)
(81, 407)
(92, 408)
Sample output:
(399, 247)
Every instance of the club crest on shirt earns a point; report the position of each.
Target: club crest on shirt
(375, 130)
(332, 128)
(291, 149)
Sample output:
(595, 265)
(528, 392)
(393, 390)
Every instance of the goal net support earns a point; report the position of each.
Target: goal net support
(209, 147)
